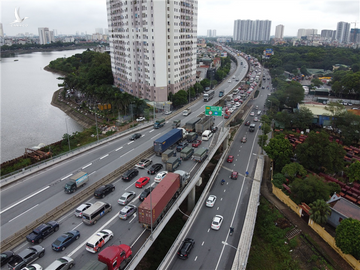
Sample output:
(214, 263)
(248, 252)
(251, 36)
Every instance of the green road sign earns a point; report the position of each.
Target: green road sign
(213, 110)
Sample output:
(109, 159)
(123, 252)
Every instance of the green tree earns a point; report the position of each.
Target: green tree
(347, 237)
(317, 82)
(180, 98)
(291, 170)
(279, 149)
(262, 139)
(319, 211)
(278, 180)
(309, 190)
(353, 172)
(284, 118)
(205, 83)
(302, 118)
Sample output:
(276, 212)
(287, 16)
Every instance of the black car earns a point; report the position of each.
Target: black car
(26, 257)
(102, 191)
(185, 248)
(6, 257)
(145, 193)
(42, 231)
(214, 129)
(181, 146)
(130, 174)
(155, 168)
(135, 136)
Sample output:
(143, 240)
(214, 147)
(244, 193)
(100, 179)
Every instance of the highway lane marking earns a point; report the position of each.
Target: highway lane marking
(142, 135)
(92, 173)
(224, 190)
(133, 218)
(138, 238)
(151, 130)
(66, 177)
(23, 213)
(128, 187)
(64, 217)
(104, 156)
(83, 243)
(130, 142)
(195, 258)
(221, 199)
(193, 168)
(18, 248)
(156, 135)
(218, 208)
(209, 230)
(77, 226)
(230, 170)
(203, 243)
(119, 148)
(86, 166)
(28, 197)
(127, 153)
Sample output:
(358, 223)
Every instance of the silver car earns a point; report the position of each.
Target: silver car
(127, 211)
(81, 209)
(126, 197)
(63, 263)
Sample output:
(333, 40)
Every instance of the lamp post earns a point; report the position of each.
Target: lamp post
(227, 244)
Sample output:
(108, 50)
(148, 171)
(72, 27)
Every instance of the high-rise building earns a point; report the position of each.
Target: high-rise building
(150, 58)
(279, 31)
(306, 32)
(355, 35)
(211, 33)
(1, 30)
(327, 34)
(98, 31)
(342, 32)
(46, 36)
(247, 30)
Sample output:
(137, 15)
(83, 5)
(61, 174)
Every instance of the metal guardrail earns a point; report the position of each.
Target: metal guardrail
(60, 210)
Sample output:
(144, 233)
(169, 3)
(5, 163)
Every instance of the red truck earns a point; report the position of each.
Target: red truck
(111, 258)
(159, 200)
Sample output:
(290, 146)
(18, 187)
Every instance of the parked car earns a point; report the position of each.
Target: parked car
(185, 248)
(65, 240)
(142, 181)
(143, 163)
(216, 222)
(81, 209)
(145, 193)
(42, 231)
(181, 146)
(155, 168)
(243, 140)
(102, 191)
(140, 119)
(98, 240)
(247, 123)
(130, 174)
(127, 197)
(210, 202)
(127, 211)
(63, 263)
(135, 136)
(230, 159)
(196, 143)
(160, 176)
(234, 175)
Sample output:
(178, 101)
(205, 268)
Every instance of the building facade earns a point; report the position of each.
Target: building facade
(342, 32)
(211, 33)
(306, 32)
(45, 36)
(279, 31)
(328, 34)
(145, 68)
(355, 35)
(248, 30)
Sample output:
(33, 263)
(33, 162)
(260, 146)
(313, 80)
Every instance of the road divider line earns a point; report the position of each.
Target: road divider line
(23, 213)
(119, 148)
(133, 218)
(127, 153)
(104, 156)
(86, 166)
(28, 197)
(77, 226)
(151, 130)
(130, 142)
(138, 238)
(66, 177)
(92, 173)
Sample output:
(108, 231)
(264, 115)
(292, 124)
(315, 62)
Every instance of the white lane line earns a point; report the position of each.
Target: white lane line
(155, 135)
(151, 130)
(130, 142)
(66, 176)
(77, 226)
(203, 243)
(217, 208)
(28, 197)
(132, 218)
(104, 156)
(129, 187)
(209, 230)
(221, 199)
(92, 173)
(119, 148)
(86, 166)
(195, 258)
(127, 153)
(224, 190)
(64, 217)
(138, 238)
(82, 245)
(23, 213)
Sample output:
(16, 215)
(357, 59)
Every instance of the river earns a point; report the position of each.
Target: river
(27, 117)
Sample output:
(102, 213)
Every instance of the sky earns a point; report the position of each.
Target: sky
(71, 16)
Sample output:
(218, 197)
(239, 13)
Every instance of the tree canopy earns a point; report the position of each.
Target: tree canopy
(347, 237)
(279, 149)
(320, 211)
(308, 190)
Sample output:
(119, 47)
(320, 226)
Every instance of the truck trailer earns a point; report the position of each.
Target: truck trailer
(190, 125)
(76, 181)
(204, 124)
(164, 142)
(200, 154)
(172, 164)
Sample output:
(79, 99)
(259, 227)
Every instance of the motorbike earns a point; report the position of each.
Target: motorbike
(231, 231)
(222, 182)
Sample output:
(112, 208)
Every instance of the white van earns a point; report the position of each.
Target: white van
(206, 135)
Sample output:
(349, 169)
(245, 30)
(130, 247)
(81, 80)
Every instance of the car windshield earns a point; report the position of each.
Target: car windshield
(123, 212)
(215, 222)
(122, 198)
(89, 245)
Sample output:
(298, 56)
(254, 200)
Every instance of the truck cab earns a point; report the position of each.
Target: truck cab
(116, 257)
(159, 123)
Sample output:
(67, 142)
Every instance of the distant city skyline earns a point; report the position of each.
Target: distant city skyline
(86, 16)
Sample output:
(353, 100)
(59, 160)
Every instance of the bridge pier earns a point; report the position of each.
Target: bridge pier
(191, 195)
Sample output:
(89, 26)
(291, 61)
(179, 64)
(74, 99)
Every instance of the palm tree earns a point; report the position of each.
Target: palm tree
(320, 211)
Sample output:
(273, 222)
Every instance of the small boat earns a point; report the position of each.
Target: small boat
(16, 60)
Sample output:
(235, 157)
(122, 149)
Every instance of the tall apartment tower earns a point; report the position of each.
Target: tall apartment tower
(306, 32)
(342, 32)
(46, 36)
(213, 33)
(279, 31)
(153, 46)
(247, 30)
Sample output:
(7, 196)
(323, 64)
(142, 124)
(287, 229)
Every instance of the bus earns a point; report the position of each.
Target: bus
(209, 95)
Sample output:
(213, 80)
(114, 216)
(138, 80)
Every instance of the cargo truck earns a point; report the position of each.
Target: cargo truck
(190, 125)
(176, 123)
(192, 136)
(172, 164)
(204, 124)
(76, 181)
(111, 258)
(184, 176)
(184, 132)
(168, 154)
(159, 123)
(252, 127)
(167, 140)
(186, 153)
(153, 209)
(200, 154)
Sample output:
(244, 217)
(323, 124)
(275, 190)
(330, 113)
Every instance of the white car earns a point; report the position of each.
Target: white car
(140, 119)
(64, 263)
(211, 201)
(98, 240)
(256, 119)
(216, 222)
(34, 266)
(237, 104)
(229, 81)
(160, 176)
(168, 112)
(252, 114)
(81, 209)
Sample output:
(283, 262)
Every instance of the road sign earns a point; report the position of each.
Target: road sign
(213, 110)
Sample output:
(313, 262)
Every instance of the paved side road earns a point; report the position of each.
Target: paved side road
(332, 256)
